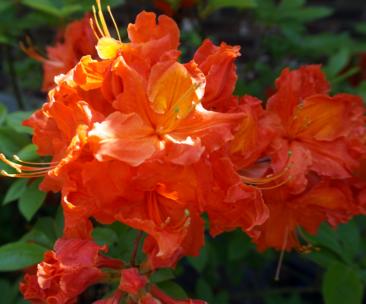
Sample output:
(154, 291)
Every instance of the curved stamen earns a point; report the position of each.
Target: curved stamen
(92, 27)
(102, 20)
(32, 171)
(31, 51)
(271, 177)
(96, 21)
(279, 185)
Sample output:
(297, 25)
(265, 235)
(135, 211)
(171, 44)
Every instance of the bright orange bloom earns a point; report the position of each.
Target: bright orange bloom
(314, 126)
(79, 41)
(65, 273)
(217, 63)
(289, 214)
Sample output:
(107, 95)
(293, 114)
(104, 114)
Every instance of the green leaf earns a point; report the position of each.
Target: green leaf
(12, 141)
(337, 62)
(290, 4)
(60, 221)
(38, 237)
(239, 246)
(28, 153)
(324, 257)
(222, 297)
(31, 199)
(47, 226)
(173, 290)
(15, 191)
(216, 4)
(15, 120)
(361, 28)
(5, 5)
(69, 9)
(104, 236)
(341, 285)
(200, 262)
(3, 113)
(164, 274)
(15, 256)
(204, 290)
(5, 291)
(44, 6)
(351, 238)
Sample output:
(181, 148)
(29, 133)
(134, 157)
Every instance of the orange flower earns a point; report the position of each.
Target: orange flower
(65, 273)
(115, 298)
(217, 63)
(79, 41)
(289, 214)
(314, 126)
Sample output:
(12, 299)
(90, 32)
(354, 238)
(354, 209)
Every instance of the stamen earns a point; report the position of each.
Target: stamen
(270, 177)
(32, 171)
(115, 25)
(92, 27)
(281, 256)
(34, 53)
(279, 185)
(306, 240)
(102, 20)
(96, 21)
(167, 221)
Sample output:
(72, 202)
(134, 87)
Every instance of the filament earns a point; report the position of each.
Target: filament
(281, 255)
(96, 21)
(115, 25)
(92, 26)
(102, 20)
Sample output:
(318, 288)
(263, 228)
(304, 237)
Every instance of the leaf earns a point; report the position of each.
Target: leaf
(5, 291)
(3, 113)
(12, 141)
(31, 199)
(289, 4)
(47, 226)
(239, 246)
(15, 191)
(69, 9)
(15, 120)
(60, 222)
(164, 274)
(222, 297)
(173, 290)
(104, 236)
(38, 237)
(15, 256)
(28, 153)
(5, 5)
(351, 238)
(324, 257)
(43, 5)
(337, 62)
(341, 285)
(204, 291)
(361, 28)
(200, 262)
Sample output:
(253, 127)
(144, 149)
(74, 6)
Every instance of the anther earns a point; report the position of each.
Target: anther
(167, 221)
(187, 213)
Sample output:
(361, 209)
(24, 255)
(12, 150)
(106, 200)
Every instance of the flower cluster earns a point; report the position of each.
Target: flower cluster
(138, 137)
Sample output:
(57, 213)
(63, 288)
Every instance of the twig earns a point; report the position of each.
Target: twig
(137, 241)
(13, 77)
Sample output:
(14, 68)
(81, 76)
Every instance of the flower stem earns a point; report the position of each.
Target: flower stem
(137, 241)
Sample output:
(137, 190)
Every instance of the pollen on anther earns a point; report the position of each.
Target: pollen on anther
(176, 110)
(289, 152)
(187, 213)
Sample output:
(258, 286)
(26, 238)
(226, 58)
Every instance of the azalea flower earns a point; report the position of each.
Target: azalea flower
(67, 271)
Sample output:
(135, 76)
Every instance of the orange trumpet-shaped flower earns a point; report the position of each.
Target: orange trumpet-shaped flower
(79, 41)
(289, 214)
(132, 281)
(314, 126)
(65, 273)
